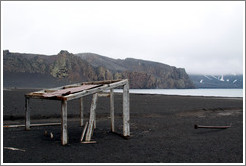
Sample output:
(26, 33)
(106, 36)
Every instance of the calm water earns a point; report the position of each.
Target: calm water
(191, 92)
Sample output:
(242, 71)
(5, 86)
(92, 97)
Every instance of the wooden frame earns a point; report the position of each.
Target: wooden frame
(102, 86)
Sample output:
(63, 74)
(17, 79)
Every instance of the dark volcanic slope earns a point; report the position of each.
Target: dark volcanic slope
(31, 70)
(158, 75)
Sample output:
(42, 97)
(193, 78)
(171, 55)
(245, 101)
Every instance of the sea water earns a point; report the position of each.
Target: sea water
(190, 92)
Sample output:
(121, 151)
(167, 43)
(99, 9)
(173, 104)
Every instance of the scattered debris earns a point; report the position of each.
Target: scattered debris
(45, 133)
(211, 127)
(11, 148)
(51, 135)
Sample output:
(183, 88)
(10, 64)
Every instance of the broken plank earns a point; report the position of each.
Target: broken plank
(83, 133)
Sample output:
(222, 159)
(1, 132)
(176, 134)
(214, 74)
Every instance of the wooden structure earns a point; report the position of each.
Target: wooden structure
(78, 91)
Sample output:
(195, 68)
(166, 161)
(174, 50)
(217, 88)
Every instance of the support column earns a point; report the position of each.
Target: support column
(64, 135)
(126, 110)
(27, 114)
(81, 112)
(112, 109)
(92, 117)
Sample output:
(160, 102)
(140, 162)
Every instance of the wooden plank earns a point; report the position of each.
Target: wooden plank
(95, 90)
(69, 90)
(126, 111)
(83, 133)
(112, 109)
(27, 114)
(64, 136)
(32, 125)
(81, 112)
(92, 118)
(88, 142)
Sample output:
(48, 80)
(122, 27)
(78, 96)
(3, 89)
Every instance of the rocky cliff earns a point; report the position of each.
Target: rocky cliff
(33, 70)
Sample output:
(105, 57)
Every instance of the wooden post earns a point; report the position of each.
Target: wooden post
(112, 109)
(92, 117)
(64, 135)
(27, 112)
(126, 110)
(81, 112)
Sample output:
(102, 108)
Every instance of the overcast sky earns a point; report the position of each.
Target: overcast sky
(204, 37)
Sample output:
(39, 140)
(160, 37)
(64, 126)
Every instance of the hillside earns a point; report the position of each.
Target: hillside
(33, 70)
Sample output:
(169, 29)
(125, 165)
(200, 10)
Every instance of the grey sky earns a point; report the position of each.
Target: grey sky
(204, 37)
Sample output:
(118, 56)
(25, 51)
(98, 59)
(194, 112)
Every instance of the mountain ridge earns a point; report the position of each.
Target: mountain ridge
(67, 68)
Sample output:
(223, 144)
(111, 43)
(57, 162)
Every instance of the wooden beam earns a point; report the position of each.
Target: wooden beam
(27, 114)
(64, 136)
(32, 125)
(112, 109)
(81, 112)
(126, 110)
(84, 93)
(92, 118)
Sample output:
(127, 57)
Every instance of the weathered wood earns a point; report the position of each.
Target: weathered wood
(92, 118)
(211, 127)
(27, 114)
(64, 136)
(103, 94)
(83, 133)
(95, 90)
(81, 111)
(88, 142)
(108, 85)
(112, 109)
(84, 93)
(113, 84)
(67, 91)
(126, 110)
(12, 148)
(32, 125)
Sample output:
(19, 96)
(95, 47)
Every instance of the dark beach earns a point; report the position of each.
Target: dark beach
(162, 131)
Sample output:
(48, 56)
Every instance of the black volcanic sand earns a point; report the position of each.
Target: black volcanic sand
(162, 131)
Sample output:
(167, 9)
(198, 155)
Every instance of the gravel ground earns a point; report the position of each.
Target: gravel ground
(162, 131)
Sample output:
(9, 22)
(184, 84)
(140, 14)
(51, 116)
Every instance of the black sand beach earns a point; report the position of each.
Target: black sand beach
(162, 131)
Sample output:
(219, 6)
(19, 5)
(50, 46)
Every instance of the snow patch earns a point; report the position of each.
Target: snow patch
(214, 77)
(222, 78)
(207, 77)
